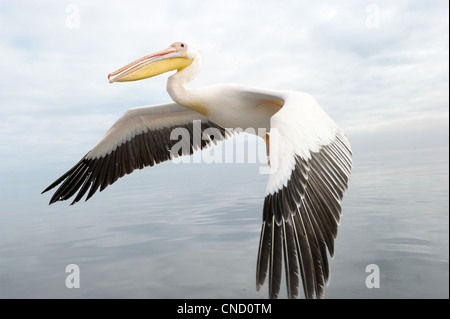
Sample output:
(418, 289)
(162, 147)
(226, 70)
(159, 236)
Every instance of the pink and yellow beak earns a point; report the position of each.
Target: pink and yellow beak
(151, 65)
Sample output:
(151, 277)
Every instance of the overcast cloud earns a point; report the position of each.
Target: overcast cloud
(379, 68)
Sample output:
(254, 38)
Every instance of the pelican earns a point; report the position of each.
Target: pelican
(302, 204)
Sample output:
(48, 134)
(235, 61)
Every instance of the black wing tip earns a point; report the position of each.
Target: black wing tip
(52, 201)
(57, 199)
(273, 295)
(49, 188)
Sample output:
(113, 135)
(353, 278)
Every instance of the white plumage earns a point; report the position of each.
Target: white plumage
(309, 155)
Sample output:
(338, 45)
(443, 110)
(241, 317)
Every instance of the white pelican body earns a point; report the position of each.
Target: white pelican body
(226, 104)
(312, 155)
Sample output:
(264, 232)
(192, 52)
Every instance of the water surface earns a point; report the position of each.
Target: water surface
(192, 230)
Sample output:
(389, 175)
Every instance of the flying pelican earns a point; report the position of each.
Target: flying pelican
(313, 160)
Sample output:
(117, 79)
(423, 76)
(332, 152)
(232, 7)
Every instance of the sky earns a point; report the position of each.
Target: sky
(380, 69)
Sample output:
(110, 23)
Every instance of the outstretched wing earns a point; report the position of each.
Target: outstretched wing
(311, 162)
(141, 137)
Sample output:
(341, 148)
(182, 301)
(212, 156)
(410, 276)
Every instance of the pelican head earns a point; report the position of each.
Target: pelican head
(177, 57)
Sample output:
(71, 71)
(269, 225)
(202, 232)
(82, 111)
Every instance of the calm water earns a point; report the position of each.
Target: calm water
(191, 231)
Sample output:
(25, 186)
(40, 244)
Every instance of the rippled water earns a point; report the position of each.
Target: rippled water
(192, 230)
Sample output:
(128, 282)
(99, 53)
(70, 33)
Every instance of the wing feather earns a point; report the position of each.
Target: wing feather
(303, 196)
(140, 138)
(276, 251)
